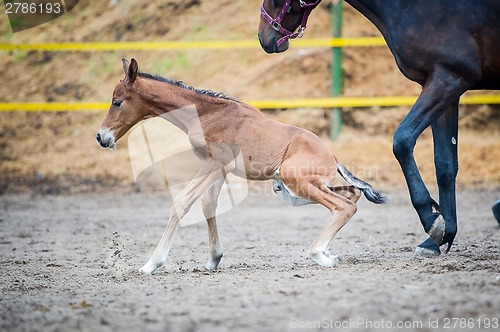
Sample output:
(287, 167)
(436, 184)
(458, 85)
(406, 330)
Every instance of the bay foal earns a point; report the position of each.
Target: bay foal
(222, 129)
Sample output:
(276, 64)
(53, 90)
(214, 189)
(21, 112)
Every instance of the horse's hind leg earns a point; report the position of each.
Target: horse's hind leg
(445, 136)
(442, 90)
(496, 210)
(209, 206)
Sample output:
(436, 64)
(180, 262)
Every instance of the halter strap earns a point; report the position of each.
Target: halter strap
(275, 23)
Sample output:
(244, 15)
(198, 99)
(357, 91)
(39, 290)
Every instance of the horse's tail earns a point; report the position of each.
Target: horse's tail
(370, 193)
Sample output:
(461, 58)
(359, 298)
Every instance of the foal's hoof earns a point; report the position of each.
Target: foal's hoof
(149, 268)
(437, 230)
(213, 264)
(324, 259)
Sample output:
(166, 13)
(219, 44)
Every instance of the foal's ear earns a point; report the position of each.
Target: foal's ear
(126, 64)
(131, 69)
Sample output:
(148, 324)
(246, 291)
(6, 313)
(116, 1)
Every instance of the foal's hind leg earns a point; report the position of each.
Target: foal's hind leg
(209, 206)
(349, 192)
(342, 210)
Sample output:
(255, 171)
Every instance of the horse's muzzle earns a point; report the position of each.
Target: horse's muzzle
(272, 46)
(269, 48)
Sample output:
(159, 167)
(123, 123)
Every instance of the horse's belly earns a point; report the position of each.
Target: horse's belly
(254, 171)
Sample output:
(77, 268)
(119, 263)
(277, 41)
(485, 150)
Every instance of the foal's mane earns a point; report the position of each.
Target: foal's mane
(185, 86)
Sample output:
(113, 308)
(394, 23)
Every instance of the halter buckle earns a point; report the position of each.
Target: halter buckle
(302, 3)
(275, 25)
(300, 32)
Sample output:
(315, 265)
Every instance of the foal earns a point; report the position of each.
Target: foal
(302, 168)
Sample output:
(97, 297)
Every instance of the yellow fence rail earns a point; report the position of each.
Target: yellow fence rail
(262, 104)
(185, 45)
(335, 102)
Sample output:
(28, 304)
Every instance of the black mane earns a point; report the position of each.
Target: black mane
(185, 86)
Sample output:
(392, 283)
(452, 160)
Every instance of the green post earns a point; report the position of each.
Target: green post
(337, 77)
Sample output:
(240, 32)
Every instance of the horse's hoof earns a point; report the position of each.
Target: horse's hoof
(496, 210)
(437, 230)
(425, 252)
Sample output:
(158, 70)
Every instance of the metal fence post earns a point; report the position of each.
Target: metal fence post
(336, 69)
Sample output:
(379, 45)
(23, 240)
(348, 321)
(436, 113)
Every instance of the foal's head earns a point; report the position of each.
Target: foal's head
(126, 108)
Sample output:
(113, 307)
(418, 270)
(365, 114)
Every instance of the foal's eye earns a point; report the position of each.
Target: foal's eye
(117, 103)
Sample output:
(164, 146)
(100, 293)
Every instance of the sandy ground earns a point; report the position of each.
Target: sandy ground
(69, 263)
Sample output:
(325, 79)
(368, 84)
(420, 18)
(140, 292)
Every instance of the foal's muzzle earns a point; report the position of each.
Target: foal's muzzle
(106, 138)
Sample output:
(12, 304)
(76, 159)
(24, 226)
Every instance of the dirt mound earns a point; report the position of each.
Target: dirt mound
(57, 151)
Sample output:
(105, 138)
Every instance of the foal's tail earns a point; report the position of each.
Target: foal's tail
(370, 193)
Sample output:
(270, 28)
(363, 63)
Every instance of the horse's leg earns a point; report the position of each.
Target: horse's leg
(209, 202)
(445, 136)
(496, 210)
(442, 90)
(209, 173)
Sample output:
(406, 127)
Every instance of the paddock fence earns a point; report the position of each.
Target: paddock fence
(333, 102)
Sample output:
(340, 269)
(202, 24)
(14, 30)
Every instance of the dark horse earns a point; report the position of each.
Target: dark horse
(448, 47)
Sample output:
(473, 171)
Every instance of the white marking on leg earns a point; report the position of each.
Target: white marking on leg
(323, 258)
(340, 216)
(161, 253)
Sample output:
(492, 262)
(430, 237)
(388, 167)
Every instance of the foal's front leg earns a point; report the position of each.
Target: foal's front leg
(209, 201)
(209, 174)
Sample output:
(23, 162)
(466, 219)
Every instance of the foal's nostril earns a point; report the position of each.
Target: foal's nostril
(98, 138)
